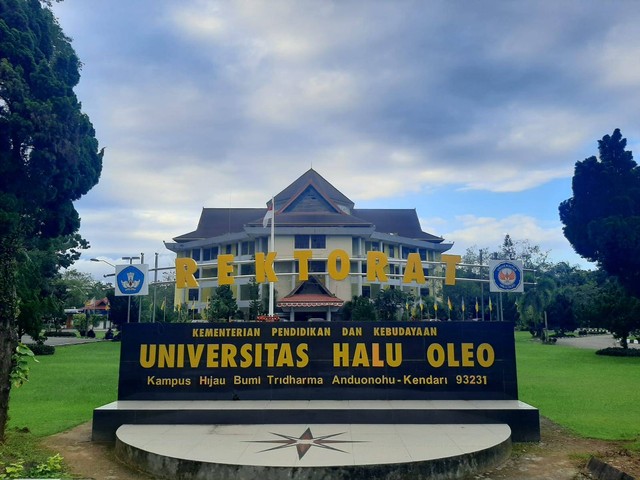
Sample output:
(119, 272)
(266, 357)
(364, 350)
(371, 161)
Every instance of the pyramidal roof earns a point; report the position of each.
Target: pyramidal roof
(308, 182)
(310, 201)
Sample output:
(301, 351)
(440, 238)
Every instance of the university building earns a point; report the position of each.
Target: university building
(310, 214)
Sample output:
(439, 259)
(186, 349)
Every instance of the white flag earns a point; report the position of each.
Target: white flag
(268, 216)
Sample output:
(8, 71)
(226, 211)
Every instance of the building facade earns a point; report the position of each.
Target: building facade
(308, 215)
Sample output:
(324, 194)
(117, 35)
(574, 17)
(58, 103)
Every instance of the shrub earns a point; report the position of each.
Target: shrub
(41, 349)
(619, 352)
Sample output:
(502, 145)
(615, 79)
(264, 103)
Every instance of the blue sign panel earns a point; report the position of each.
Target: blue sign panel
(131, 280)
(330, 361)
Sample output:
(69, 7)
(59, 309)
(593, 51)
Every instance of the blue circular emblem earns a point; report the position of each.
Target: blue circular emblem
(130, 280)
(507, 276)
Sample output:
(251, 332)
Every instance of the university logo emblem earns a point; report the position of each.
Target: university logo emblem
(507, 276)
(130, 280)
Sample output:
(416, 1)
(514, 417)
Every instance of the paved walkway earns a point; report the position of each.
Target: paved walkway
(593, 342)
(62, 341)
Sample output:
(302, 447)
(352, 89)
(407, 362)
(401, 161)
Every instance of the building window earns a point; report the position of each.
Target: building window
(318, 241)
(372, 246)
(209, 254)
(355, 246)
(423, 254)
(310, 241)
(193, 294)
(314, 266)
(248, 269)
(424, 292)
(195, 254)
(209, 272)
(366, 291)
(406, 251)
(392, 251)
(248, 248)
(317, 266)
(302, 241)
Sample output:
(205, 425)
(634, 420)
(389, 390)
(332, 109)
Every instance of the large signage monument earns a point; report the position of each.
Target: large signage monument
(416, 372)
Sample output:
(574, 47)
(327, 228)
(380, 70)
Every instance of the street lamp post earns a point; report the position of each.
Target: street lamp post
(155, 288)
(140, 298)
(131, 259)
(103, 261)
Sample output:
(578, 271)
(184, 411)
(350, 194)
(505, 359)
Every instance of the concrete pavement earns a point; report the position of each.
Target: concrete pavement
(63, 341)
(593, 342)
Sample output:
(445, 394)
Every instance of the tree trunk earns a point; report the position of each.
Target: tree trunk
(8, 314)
(624, 343)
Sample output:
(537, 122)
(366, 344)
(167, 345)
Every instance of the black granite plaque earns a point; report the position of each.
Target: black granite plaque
(318, 361)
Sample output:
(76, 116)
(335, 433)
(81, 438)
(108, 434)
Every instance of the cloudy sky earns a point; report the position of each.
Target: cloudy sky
(474, 113)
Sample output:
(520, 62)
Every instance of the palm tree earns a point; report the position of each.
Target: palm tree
(533, 302)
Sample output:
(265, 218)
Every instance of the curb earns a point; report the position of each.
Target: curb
(603, 471)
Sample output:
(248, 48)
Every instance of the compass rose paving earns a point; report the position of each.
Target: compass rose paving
(298, 447)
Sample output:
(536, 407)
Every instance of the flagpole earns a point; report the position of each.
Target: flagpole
(481, 288)
(272, 249)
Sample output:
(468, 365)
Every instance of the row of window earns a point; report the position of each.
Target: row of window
(208, 254)
(314, 266)
(306, 242)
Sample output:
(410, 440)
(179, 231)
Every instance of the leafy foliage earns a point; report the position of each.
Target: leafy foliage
(48, 159)
(615, 310)
(388, 302)
(359, 309)
(619, 352)
(255, 304)
(20, 372)
(533, 303)
(39, 349)
(602, 219)
(222, 305)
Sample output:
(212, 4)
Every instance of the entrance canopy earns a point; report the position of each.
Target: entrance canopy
(311, 300)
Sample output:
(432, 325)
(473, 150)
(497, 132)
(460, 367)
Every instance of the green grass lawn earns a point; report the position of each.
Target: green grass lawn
(595, 396)
(64, 388)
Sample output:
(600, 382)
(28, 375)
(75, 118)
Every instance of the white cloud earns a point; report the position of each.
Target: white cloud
(214, 103)
(614, 60)
(295, 98)
(488, 232)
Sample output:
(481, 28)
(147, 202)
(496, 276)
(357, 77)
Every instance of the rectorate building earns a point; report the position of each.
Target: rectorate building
(309, 214)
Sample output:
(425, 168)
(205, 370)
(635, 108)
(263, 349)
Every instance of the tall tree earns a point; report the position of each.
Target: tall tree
(533, 302)
(388, 302)
(222, 304)
(78, 288)
(48, 152)
(612, 308)
(359, 309)
(602, 219)
(255, 305)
